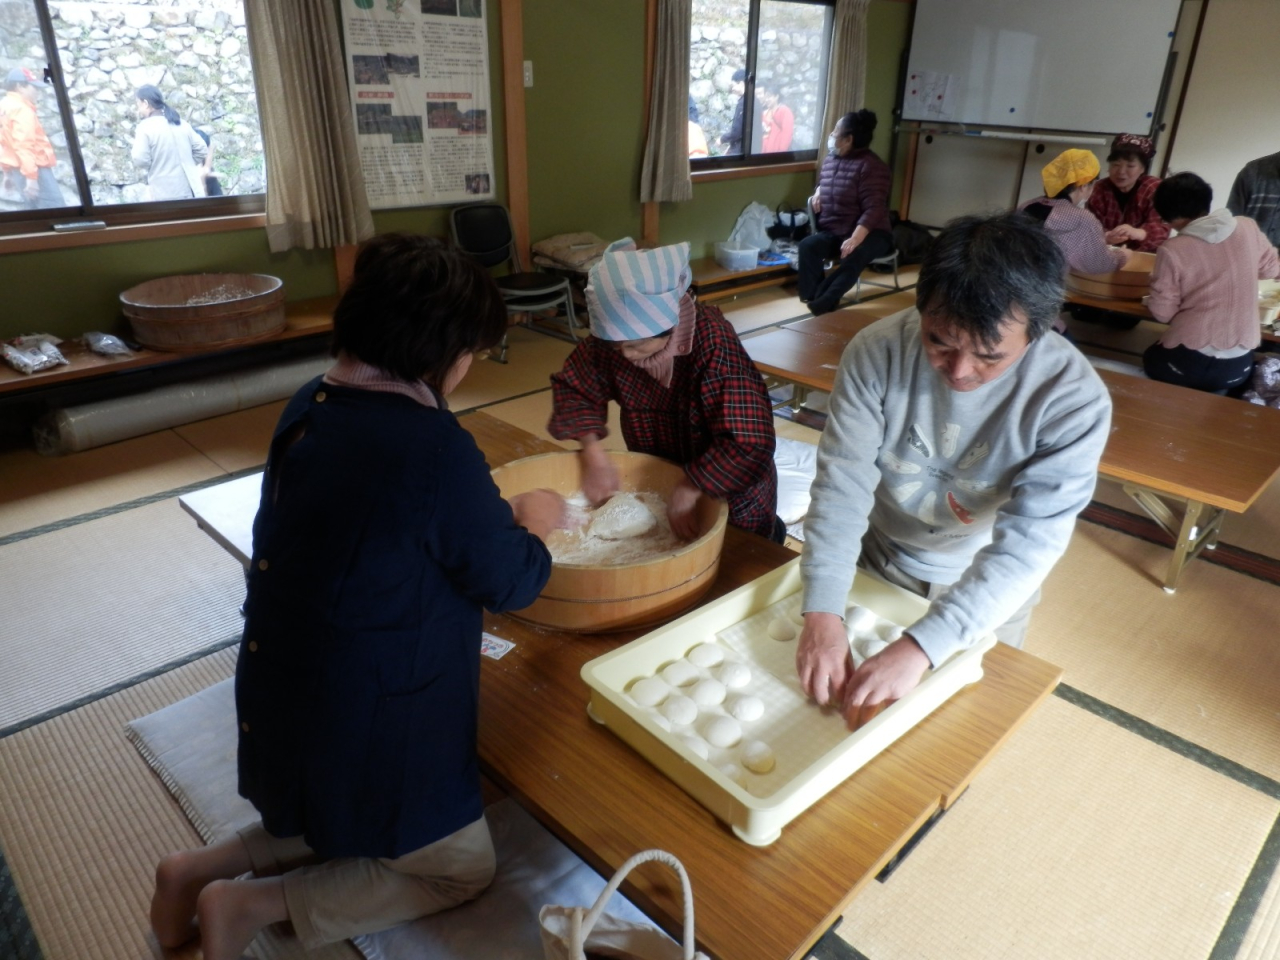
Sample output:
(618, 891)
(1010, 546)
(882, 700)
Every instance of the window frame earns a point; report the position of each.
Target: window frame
(26, 230)
(706, 169)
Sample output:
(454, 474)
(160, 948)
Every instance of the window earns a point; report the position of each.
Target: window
(77, 141)
(757, 80)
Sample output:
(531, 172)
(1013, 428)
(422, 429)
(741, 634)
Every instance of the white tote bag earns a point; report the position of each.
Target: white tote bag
(568, 932)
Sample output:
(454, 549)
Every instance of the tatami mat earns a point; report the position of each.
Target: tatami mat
(1079, 840)
(104, 601)
(763, 308)
(83, 822)
(1201, 663)
(532, 413)
(1262, 942)
(38, 490)
(236, 441)
(531, 359)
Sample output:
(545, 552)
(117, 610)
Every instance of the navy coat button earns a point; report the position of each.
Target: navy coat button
(262, 564)
(244, 727)
(253, 646)
(320, 396)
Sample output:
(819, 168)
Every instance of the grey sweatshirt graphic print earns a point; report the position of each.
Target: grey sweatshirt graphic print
(977, 490)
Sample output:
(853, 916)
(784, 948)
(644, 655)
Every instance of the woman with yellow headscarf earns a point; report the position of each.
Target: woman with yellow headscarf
(1068, 183)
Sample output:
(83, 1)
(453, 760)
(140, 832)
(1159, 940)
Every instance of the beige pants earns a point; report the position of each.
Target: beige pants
(336, 899)
(874, 558)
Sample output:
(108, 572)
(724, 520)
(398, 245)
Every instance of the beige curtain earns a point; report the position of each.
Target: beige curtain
(847, 68)
(665, 174)
(315, 189)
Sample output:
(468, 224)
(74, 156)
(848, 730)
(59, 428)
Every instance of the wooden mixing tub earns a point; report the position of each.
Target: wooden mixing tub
(1131, 283)
(204, 311)
(598, 598)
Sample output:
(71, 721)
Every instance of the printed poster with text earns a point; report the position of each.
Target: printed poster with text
(419, 76)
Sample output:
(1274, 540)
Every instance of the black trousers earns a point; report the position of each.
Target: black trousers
(823, 293)
(1199, 371)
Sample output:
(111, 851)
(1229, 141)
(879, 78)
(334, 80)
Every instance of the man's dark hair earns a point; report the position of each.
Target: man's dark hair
(980, 268)
(862, 125)
(415, 307)
(1182, 195)
(739, 76)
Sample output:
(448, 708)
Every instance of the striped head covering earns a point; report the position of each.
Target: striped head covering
(635, 294)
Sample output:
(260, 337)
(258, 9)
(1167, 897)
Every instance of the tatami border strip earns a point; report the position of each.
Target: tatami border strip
(116, 687)
(1247, 903)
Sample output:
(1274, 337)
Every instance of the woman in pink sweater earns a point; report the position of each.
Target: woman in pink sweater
(1204, 285)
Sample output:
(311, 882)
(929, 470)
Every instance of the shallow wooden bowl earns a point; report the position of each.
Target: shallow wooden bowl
(1131, 283)
(204, 311)
(599, 598)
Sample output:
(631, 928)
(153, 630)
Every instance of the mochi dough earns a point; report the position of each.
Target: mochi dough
(696, 745)
(735, 675)
(757, 756)
(625, 516)
(723, 732)
(707, 693)
(679, 673)
(649, 691)
(747, 709)
(781, 629)
(706, 655)
(734, 772)
(680, 710)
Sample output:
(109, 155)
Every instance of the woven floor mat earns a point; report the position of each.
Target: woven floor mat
(1200, 664)
(235, 441)
(108, 600)
(1079, 839)
(1263, 939)
(39, 490)
(531, 359)
(83, 821)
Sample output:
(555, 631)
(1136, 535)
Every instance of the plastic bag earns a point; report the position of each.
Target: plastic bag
(40, 355)
(106, 344)
(752, 228)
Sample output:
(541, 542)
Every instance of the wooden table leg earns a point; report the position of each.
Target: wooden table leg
(1190, 534)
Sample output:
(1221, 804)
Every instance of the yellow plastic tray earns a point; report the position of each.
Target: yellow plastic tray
(813, 749)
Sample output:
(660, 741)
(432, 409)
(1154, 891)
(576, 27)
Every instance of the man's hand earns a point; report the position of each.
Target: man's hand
(539, 511)
(822, 658)
(680, 509)
(888, 676)
(599, 475)
(850, 245)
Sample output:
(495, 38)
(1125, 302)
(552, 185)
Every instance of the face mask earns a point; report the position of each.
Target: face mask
(831, 142)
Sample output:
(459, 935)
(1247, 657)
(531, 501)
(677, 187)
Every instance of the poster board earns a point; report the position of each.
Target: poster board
(1093, 66)
(418, 72)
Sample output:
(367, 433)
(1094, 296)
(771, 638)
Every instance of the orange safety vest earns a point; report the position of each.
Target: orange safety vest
(23, 143)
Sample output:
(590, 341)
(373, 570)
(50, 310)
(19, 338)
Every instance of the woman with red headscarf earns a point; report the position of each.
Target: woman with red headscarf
(1124, 202)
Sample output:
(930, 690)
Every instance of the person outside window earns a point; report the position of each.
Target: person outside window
(167, 149)
(776, 121)
(851, 204)
(24, 146)
(380, 542)
(1123, 202)
(687, 390)
(1205, 287)
(960, 446)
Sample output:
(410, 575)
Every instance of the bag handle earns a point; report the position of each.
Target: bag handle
(583, 924)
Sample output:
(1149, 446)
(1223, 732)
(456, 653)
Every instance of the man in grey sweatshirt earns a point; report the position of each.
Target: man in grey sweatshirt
(963, 439)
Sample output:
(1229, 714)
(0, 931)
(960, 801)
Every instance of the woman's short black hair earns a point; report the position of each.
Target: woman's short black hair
(862, 124)
(415, 307)
(1183, 195)
(980, 269)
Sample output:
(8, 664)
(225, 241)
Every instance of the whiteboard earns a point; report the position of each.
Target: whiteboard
(1093, 66)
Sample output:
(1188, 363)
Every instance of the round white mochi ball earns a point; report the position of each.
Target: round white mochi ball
(860, 619)
(649, 691)
(781, 629)
(747, 709)
(735, 676)
(680, 710)
(870, 646)
(889, 631)
(798, 616)
(757, 756)
(723, 732)
(679, 673)
(696, 745)
(707, 693)
(660, 720)
(734, 772)
(706, 655)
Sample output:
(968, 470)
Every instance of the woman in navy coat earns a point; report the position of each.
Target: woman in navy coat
(379, 541)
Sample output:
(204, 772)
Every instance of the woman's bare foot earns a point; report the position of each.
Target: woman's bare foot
(231, 912)
(173, 905)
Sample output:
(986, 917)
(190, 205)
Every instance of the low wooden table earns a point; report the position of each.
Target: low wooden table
(1186, 457)
(606, 802)
(1136, 308)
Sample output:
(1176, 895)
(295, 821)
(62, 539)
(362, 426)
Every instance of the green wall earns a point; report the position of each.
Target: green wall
(585, 145)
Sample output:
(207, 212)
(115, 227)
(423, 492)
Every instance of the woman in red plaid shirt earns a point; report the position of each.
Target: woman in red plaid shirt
(687, 390)
(1124, 203)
